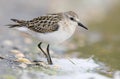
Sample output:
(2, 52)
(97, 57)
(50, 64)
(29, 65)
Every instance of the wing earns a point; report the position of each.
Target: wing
(45, 24)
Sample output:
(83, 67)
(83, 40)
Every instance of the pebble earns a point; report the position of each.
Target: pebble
(24, 60)
(18, 54)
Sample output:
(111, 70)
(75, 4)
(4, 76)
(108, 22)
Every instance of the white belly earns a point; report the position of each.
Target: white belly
(53, 37)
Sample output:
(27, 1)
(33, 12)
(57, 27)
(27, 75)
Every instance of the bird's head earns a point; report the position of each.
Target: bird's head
(73, 17)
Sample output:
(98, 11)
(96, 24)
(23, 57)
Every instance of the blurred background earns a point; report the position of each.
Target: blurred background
(102, 40)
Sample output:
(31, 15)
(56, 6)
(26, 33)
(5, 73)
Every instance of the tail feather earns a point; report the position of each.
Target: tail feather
(19, 23)
(13, 25)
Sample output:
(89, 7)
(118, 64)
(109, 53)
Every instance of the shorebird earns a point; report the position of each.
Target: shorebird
(51, 28)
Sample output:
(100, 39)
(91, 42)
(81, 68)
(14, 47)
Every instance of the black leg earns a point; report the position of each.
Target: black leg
(46, 55)
(39, 45)
(49, 60)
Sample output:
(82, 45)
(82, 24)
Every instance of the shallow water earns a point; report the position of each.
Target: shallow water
(63, 68)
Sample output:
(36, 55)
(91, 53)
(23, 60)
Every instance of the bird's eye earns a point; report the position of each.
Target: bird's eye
(71, 18)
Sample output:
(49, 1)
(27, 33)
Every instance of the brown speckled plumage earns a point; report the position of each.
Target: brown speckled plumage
(42, 24)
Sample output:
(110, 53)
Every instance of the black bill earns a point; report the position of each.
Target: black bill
(79, 24)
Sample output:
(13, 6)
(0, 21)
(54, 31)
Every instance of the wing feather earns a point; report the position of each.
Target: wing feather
(45, 24)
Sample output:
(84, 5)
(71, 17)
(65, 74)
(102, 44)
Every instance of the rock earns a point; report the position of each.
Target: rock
(18, 54)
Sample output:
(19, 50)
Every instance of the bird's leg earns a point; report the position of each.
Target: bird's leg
(47, 55)
(39, 45)
(49, 58)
